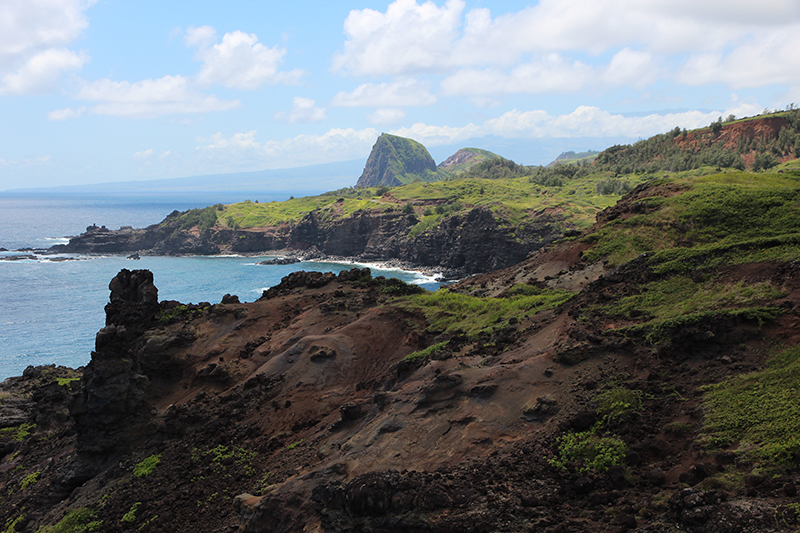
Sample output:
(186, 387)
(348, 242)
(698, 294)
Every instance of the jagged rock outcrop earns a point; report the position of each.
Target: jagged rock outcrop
(396, 160)
(111, 401)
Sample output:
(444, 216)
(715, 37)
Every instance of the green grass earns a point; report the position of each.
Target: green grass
(757, 412)
(29, 480)
(147, 466)
(130, 516)
(11, 524)
(79, 520)
(449, 312)
(422, 355)
(516, 199)
(617, 402)
(713, 213)
(659, 331)
(17, 433)
(679, 295)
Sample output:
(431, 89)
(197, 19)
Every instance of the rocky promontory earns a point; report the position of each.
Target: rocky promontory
(472, 242)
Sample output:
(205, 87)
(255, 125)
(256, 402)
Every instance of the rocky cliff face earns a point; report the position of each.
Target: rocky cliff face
(396, 160)
(469, 243)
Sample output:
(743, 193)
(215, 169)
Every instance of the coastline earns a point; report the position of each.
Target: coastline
(433, 274)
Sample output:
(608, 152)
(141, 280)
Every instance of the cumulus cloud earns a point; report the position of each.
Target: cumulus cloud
(239, 61)
(386, 117)
(757, 62)
(33, 36)
(303, 110)
(149, 98)
(66, 114)
(557, 46)
(42, 72)
(29, 26)
(552, 74)
(585, 121)
(244, 150)
(409, 92)
(408, 38)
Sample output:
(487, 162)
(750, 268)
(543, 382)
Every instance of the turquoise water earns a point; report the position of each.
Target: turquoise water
(53, 309)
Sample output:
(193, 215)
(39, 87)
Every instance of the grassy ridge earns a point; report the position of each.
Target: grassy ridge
(514, 199)
(721, 209)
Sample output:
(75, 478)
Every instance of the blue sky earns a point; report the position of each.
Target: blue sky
(96, 91)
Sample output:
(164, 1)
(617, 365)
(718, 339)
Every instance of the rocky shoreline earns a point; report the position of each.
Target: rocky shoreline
(461, 245)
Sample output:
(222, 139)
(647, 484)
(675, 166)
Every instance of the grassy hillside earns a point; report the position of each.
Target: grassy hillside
(515, 198)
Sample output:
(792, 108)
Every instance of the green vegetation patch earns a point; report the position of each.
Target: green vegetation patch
(782, 248)
(758, 411)
(716, 214)
(618, 402)
(449, 312)
(29, 480)
(665, 306)
(589, 451)
(178, 313)
(130, 516)
(17, 433)
(660, 331)
(202, 218)
(679, 295)
(422, 355)
(147, 466)
(75, 521)
(11, 524)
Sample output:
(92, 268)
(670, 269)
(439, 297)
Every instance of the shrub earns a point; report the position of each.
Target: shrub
(589, 451)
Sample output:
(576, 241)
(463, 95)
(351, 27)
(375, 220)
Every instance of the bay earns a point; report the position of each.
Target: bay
(53, 306)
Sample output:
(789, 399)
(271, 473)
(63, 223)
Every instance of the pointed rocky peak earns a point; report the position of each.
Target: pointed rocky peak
(396, 161)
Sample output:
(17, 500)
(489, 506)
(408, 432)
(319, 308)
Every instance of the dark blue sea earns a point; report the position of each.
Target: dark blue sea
(52, 309)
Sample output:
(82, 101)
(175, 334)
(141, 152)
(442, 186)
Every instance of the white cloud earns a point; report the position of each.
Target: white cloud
(42, 72)
(143, 155)
(585, 121)
(408, 38)
(150, 98)
(551, 74)
(29, 26)
(242, 150)
(630, 68)
(303, 110)
(759, 61)
(557, 46)
(239, 61)
(409, 92)
(66, 114)
(386, 116)
(33, 35)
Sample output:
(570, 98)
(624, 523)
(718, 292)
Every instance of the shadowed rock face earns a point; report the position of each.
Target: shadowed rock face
(113, 392)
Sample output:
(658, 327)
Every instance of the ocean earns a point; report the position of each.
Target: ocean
(53, 308)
